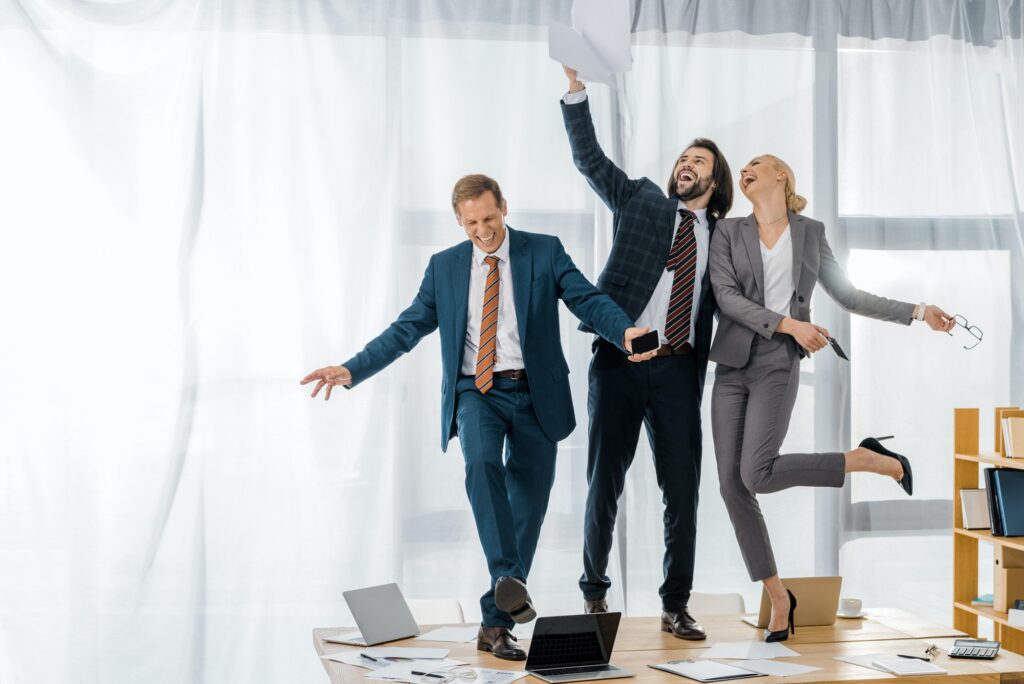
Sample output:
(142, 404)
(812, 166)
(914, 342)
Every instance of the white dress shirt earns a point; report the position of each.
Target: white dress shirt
(508, 353)
(778, 273)
(654, 314)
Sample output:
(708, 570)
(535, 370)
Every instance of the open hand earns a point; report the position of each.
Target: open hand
(632, 334)
(328, 376)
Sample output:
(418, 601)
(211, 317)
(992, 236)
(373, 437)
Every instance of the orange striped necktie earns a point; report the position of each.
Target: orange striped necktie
(487, 349)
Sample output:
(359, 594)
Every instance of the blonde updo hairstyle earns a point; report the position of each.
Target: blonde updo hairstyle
(794, 202)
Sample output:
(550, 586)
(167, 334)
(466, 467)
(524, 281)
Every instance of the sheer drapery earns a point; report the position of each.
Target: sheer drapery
(201, 201)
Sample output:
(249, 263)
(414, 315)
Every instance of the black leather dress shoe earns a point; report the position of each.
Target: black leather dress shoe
(511, 596)
(873, 444)
(595, 606)
(681, 624)
(500, 642)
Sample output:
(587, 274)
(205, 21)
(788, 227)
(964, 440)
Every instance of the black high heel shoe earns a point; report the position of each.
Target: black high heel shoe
(874, 444)
(783, 634)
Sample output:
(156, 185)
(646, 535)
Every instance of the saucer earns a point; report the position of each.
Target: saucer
(851, 616)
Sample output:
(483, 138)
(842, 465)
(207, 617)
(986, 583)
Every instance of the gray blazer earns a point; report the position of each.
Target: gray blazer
(737, 276)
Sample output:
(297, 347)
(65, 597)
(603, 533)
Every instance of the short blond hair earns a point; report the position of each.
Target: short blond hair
(473, 186)
(794, 202)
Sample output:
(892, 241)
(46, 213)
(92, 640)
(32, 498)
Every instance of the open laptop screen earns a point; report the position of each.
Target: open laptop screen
(572, 640)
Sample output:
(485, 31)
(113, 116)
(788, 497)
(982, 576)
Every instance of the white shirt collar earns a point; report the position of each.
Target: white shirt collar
(502, 252)
(701, 214)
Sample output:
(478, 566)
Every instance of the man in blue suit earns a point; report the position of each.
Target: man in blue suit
(657, 272)
(495, 300)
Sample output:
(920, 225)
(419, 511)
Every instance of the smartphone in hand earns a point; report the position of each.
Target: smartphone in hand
(646, 343)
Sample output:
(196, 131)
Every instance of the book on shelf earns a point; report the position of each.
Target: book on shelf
(1013, 434)
(1000, 412)
(983, 600)
(1005, 488)
(974, 509)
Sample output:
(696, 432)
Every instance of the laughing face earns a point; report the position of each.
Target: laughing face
(484, 221)
(693, 173)
(761, 175)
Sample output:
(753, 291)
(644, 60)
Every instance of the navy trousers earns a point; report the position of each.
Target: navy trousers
(510, 467)
(662, 394)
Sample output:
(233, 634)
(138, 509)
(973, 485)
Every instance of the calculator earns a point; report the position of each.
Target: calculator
(974, 648)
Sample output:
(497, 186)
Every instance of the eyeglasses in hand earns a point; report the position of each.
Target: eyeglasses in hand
(974, 330)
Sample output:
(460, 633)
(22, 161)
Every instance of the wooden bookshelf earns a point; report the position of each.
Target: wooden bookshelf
(967, 459)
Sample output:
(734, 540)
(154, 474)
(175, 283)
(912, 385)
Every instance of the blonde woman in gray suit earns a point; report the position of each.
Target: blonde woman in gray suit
(763, 270)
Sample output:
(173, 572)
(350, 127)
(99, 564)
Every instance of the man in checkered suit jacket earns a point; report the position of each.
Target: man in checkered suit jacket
(663, 394)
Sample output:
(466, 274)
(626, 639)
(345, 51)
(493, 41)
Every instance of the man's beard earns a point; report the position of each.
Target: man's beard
(697, 188)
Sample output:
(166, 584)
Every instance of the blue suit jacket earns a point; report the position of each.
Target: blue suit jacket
(542, 273)
(643, 225)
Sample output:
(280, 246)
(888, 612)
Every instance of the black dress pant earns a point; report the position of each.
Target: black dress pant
(663, 394)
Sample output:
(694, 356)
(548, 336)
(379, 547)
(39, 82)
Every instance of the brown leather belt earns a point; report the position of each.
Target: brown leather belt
(667, 350)
(518, 374)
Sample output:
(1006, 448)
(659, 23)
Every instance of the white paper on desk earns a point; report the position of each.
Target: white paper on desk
(459, 635)
(597, 45)
(486, 675)
(865, 660)
(353, 658)
(748, 650)
(403, 672)
(775, 668)
(400, 652)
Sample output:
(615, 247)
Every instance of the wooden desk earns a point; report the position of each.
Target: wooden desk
(641, 642)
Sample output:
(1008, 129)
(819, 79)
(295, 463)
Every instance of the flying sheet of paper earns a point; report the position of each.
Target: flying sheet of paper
(597, 45)
(459, 635)
(749, 650)
(400, 652)
(774, 668)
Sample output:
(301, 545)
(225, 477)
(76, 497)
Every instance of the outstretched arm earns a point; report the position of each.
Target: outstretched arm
(610, 182)
(837, 284)
(593, 307)
(417, 321)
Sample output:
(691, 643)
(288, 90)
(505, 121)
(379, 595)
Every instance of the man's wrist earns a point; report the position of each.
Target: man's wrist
(919, 311)
(576, 86)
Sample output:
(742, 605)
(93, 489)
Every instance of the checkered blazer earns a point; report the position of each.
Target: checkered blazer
(643, 224)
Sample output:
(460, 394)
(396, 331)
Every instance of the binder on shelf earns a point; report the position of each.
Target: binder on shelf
(1005, 488)
(993, 509)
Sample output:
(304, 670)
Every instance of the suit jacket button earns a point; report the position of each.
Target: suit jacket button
(801, 299)
(766, 325)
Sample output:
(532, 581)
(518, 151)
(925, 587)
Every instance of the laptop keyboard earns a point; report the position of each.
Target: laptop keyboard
(576, 670)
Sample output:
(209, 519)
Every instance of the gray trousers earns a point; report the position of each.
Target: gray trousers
(750, 412)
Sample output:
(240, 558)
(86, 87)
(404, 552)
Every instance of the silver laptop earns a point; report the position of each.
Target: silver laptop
(381, 614)
(817, 599)
(574, 648)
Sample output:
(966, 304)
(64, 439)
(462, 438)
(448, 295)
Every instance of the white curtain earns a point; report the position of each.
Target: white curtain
(202, 201)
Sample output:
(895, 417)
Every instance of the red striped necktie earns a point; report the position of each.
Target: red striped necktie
(487, 348)
(682, 259)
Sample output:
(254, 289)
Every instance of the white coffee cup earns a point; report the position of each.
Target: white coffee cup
(850, 607)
